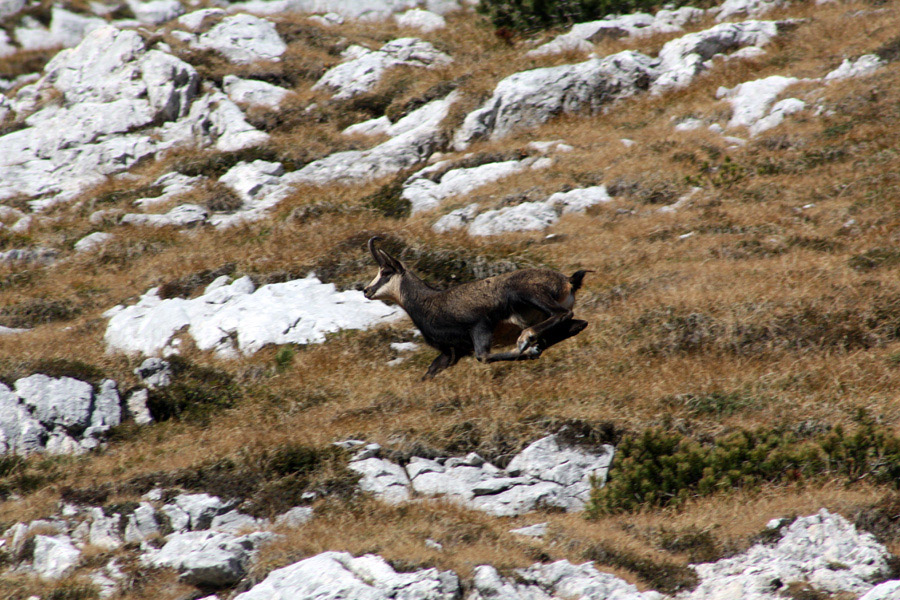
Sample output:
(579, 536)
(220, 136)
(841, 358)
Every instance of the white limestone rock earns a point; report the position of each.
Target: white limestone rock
(682, 59)
(155, 373)
(424, 193)
(173, 184)
(20, 432)
(66, 402)
(752, 103)
(420, 136)
(236, 522)
(249, 91)
(864, 65)
(244, 39)
(747, 8)
(194, 20)
(104, 531)
(824, 550)
(67, 29)
(10, 7)
(155, 12)
(295, 517)
(54, 556)
(456, 219)
(582, 36)
(92, 241)
(387, 480)
(214, 120)
(201, 509)
(527, 216)
(141, 524)
(207, 558)
(340, 575)
(538, 530)
(423, 20)
(301, 311)
(376, 126)
(560, 579)
(530, 98)
(363, 68)
(889, 590)
(109, 86)
(136, 405)
(183, 215)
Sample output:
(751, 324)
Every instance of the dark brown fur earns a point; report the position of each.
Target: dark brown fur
(531, 308)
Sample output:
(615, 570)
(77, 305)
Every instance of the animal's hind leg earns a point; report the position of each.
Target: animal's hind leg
(560, 332)
(481, 340)
(443, 361)
(558, 314)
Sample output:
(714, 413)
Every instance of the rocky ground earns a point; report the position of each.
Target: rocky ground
(196, 400)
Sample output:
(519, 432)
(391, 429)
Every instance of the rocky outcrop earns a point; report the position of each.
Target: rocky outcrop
(244, 39)
(416, 136)
(824, 550)
(234, 317)
(57, 415)
(249, 91)
(582, 36)
(108, 86)
(546, 473)
(363, 68)
(530, 98)
(207, 558)
(340, 575)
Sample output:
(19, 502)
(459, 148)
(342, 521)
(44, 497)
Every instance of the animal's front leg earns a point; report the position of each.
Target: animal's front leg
(444, 360)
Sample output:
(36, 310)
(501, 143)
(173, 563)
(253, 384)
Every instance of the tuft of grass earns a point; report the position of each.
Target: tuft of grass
(195, 392)
(661, 575)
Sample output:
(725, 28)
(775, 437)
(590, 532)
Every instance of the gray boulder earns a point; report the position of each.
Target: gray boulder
(141, 524)
(136, 406)
(530, 98)
(244, 39)
(684, 58)
(383, 478)
(104, 531)
(109, 86)
(421, 136)
(183, 215)
(560, 579)
(154, 373)
(155, 12)
(363, 67)
(207, 558)
(340, 575)
(10, 7)
(54, 556)
(250, 91)
(20, 433)
(213, 120)
(66, 402)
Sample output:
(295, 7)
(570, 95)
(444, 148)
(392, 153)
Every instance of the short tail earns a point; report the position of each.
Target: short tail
(577, 279)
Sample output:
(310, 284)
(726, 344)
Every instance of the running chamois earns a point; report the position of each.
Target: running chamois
(531, 308)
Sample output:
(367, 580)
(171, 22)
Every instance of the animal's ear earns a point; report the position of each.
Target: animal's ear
(390, 261)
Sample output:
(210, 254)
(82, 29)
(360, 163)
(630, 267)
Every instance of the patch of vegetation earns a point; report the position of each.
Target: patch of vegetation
(184, 287)
(648, 188)
(268, 482)
(12, 369)
(719, 174)
(890, 50)
(759, 328)
(400, 108)
(122, 253)
(218, 197)
(284, 358)
(216, 164)
(875, 258)
(700, 545)
(73, 590)
(195, 392)
(657, 468)
(19, 475)
(663, 576)
(532, 15)
(128, 195)
(715, 403)
(38, 311)
(387, 199)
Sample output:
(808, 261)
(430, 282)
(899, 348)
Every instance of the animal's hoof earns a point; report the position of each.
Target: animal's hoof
(533, 352)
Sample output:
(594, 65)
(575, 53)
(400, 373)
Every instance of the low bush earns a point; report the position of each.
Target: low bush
(531, 15)
(657, 468)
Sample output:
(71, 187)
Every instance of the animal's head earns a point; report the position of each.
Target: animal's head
(386, 285)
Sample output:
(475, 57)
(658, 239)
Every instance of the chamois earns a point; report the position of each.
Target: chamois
(530, 307)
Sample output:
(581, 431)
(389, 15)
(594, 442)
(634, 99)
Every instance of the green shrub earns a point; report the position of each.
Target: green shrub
(657, 468)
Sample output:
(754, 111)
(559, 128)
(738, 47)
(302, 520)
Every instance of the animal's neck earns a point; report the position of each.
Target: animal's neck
(414, 291)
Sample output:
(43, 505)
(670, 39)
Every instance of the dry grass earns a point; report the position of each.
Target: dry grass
(746, 291)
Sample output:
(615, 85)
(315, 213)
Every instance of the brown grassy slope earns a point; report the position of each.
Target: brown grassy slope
(793, 308)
